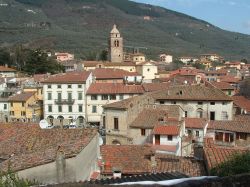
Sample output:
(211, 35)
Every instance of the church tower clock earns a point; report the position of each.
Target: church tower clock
(115, 46)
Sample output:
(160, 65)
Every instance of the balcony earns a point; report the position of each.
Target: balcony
(65, 102)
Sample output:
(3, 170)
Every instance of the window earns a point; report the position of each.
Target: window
(12, 113)
(49, 108)
(173, 102)
(199, 113)
(143, 132)
(170, 137)
(212, 115)
(224, 103)
(69, 96)
(148, 69)
(112, 97)
(197, 133)
(229, 92)
(59, 86)
(5, 106)
(224, 115)
(59, 108)
(59, 96)
(69, 86)
(200, 103)
(116, 123)
(186, 114)
(93, 97)
(79, 95)
(23, 113)
(219, 136)
(94, 109)
(162, 102)
(49, 96)
(121, 97)
(49, 86)
(105, 97)
(79, 108)
(79, 86)
(241, 136)
(212, 103)
(104, 121)
(23, 103)
(70, 108)
(189, 132)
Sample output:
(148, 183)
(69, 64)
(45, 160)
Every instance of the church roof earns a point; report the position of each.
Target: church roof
(114, 30)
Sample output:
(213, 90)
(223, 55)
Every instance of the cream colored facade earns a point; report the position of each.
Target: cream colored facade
(138, 58)
(148, 71)
(26, 111)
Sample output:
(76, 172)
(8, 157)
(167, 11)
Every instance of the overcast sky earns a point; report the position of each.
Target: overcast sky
(232, 15)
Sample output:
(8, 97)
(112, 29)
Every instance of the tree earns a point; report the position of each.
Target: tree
(244, 60)
(39, 62)
(245, 88)
(240, 163)
(199, 66)
(104, 55)
(4, 57)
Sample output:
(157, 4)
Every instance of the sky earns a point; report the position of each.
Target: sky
(232, 15)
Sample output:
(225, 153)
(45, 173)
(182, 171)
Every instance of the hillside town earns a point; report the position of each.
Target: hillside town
(124, 116)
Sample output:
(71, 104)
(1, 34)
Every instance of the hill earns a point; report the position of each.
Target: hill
(81, 26)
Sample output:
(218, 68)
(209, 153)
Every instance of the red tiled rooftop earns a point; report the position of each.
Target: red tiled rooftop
(166, 130)
(32, 146)
(22, 96)
(242, 102)
(150, 87)
(110, 73)
(6, 69)
(223, 85)
(69, 77)
(197, 123)
(114, 88)
(229, 79)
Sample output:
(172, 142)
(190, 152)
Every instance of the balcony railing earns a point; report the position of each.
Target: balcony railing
(65, 102)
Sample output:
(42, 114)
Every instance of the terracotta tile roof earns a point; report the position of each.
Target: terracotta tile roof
(111, 73)
(229, 79)
(233, 126)
(22, 96)
(25, 146)
(188, 166)
(130, 159)
(197, 123)
(148, 118)
(166, 130)
(150, 87)
(6, 69)
(215, 155)
(191, 92)
(40, 77)
(135, 159)
(114, 88)
(223, 85)
(242, 102)
(69, 77)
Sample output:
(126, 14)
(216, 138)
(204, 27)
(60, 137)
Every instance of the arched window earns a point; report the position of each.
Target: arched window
(50, 119)
(199, 113)
(116, 43)
(81, 120)
(116, 142)
(60, 118)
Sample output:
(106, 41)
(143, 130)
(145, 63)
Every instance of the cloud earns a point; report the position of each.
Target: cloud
(246, 24)
(232, 3)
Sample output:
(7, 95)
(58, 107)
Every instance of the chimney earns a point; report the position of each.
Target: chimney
(117, 173)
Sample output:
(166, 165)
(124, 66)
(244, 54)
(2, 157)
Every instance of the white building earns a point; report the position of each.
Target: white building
(148, 70)
(187, 60)
(7, 72)
(166, 58)
(100, 94)
(64, 97)
(4, 109)
(198, 101)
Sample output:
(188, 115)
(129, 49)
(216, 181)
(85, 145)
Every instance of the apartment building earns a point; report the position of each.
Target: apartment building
(64, 98)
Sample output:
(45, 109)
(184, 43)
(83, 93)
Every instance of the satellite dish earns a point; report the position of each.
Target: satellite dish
(100, 141)
(43, 124)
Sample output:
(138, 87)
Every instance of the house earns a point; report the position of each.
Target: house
(148, 70)
(215, 75)
(232, 80)
(141, 159)
(227, 88)
(235, 65)
(211, 57)
(110, 75)
(60, 57)
(196, 128)
(127, 66)
(138, 57)
(166, 58)
(197, 101)
(186, 59)
(7, 72)
(25, 107)
(4, 109)
(48, 156)
(215, 155)
(64, 97)
(241, 105)
(100, 94)
(230, 133)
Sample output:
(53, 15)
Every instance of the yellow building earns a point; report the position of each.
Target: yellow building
(25, 107)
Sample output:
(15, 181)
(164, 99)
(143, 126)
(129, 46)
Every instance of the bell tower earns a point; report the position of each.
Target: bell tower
(115, 46)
